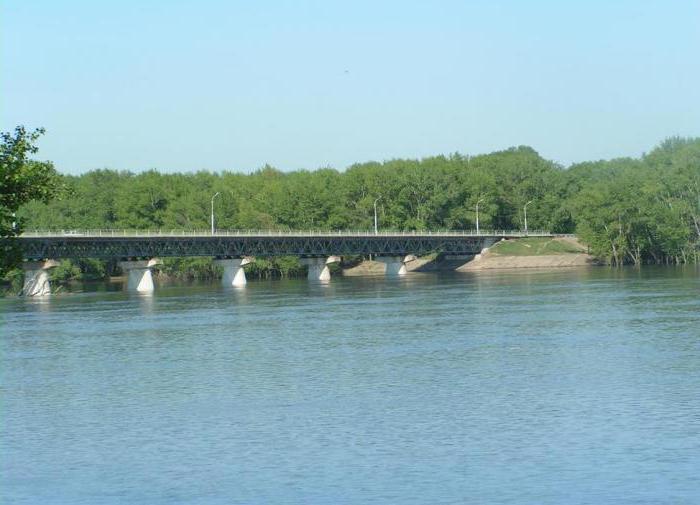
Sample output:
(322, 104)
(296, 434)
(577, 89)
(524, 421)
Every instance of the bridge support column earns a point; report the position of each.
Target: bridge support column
(139, 275)
(234, 275)
(318, 267)
(36, 277)
(395, 265)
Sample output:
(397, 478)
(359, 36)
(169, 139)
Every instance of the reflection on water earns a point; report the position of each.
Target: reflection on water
(551, 387)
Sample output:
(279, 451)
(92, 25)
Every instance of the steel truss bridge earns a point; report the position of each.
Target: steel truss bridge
(139, 244)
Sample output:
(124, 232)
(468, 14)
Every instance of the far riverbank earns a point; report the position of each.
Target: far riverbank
(540, 253)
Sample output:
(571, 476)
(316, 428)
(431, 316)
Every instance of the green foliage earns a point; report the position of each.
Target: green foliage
(12, 282)
(535, 246)
(22, 180)
(81, 269)
(438, 192)
(626, 210)
(190, 268)
(281, 266)
(65, 271)
(641, 211)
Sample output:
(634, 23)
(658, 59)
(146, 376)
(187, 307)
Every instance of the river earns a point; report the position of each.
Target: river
(576, 387)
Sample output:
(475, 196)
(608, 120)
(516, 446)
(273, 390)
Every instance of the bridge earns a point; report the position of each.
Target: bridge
(138, 250)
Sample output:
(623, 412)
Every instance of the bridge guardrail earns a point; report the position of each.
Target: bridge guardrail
(286, 233)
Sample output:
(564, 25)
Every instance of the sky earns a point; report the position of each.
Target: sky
(234, 85)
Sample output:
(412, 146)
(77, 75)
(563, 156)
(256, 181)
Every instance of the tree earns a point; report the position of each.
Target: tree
(22, 180)
(627, 210)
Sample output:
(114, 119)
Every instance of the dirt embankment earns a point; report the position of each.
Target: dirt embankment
(531, 253)
(490, 262)
(543, 253)
(372, 267)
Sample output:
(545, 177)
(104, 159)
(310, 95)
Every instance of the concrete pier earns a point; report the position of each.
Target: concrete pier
(139, 275)
(234, 275)
(395, 265)
(36, 277)
(318, 267)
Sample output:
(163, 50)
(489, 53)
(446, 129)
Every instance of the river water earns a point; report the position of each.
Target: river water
(576, 387)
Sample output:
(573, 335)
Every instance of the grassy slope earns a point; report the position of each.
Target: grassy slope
(536, 246)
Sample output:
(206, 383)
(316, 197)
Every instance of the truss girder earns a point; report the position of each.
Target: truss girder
(36, 248)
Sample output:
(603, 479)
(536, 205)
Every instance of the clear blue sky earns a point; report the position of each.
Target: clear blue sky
(232, 85)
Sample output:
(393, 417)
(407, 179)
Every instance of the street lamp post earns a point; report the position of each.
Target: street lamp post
(212, 211)
(376, 230)
(477, 214)
(525, 213)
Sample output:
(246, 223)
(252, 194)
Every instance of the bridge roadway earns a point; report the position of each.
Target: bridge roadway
(138, 250)
(125, 244)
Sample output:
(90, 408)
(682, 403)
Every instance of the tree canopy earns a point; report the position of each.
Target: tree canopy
(626, 210)
(22, 180)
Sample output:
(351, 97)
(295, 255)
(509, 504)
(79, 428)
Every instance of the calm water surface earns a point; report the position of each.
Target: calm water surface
(577, 387)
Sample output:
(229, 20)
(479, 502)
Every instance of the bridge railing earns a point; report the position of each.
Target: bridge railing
(283, 233)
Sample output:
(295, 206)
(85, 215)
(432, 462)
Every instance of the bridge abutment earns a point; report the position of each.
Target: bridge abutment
(36, 277)
(234, 275)
(139, 277)
(396, 265)
(318, 267)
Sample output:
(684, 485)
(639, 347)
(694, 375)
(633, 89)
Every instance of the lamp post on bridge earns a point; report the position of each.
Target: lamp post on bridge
(376, 230)
(525, 213)
(477, 214)
(212, 211)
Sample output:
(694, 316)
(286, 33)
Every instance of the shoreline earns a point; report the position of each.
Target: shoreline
(476, 264)
(544, 262)
(532, 253)
(516, 254)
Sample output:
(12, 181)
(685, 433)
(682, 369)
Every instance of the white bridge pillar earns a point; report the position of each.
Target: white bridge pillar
(395, 265)
(318, 267)
(139, 275)
(234, 275)
(36, 277)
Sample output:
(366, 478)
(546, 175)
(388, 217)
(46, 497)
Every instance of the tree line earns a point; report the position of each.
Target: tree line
(627, 210)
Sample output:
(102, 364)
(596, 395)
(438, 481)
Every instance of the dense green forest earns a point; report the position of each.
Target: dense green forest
(628, 211)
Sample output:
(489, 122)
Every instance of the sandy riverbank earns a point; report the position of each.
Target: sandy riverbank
(564, 252)
(378, 268)
(511, 254)
(491, 262)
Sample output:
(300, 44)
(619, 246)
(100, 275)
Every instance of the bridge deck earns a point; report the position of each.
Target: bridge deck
(123, 244)
(281, 233)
